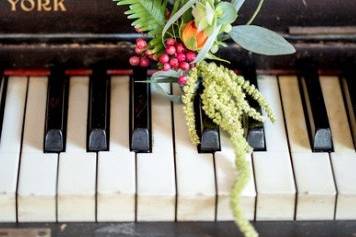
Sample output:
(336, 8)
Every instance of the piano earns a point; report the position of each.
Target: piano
(86, 149)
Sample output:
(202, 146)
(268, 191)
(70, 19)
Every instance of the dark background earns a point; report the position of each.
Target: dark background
(103, 16)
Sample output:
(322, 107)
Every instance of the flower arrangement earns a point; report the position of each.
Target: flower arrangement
(183, 35)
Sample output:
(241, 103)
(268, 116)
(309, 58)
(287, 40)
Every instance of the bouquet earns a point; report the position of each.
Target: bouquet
(184, 37)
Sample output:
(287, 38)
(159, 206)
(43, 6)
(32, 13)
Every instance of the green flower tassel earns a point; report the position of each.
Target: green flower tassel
(224, 101)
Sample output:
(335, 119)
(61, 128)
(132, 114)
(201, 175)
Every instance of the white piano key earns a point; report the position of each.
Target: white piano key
(313, 172)
(344, 155)
(38, 171)
(273, 169)
(10, 145)
(77, 168)
(116, 168)
(156, 187)
(225, 176)
(195, 175)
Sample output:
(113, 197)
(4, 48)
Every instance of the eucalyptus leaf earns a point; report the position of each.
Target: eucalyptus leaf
(229, 11)
(166, 74)
(162, 80)
(208, 45)
(237, 4)
(176, 16)
(173, 98)
(261, 40)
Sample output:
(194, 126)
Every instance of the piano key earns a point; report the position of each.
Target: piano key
(195, 174)
(56, 115)
(38, 171)
(116, 168)
(225, 177)
(344, 157)
(349, 86)
(98, 129)
(273, 170)
(3, 89)
(318, 124)
(313, 173)
(77, 168)
(10, 146)
(207, 130)
(256, 134)
(156, 186)
(141, 112)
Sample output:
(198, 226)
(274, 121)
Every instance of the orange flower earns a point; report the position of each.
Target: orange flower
(192, 38)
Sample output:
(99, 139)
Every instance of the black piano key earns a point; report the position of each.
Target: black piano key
(3, 89)
(140, 100)
(315, 110)
(349, 88)
(99, 104)
(255, 133)
(207, 130)
(56, 113)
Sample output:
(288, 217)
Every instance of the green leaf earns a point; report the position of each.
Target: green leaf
(237, 4)
(176, 16)
(173, 98)
(260, 40)
(166, 74)
(208, 45)
(229, 13)
(163, 80)
(148, 16)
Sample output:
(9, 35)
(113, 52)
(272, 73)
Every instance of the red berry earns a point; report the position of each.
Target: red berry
(191, 56)
(138, 50)
(164, 58)
(174, 63)
(141, 43)
(134, 60)
(144, 62)
(182, 80)
(180, 48)
(181, 57)
(166, 67)
(170, 50)
(184, 66)
(170, 42)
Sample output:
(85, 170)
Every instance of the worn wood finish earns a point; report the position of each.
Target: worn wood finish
(102, 16)
(330, 55)
(197, 229)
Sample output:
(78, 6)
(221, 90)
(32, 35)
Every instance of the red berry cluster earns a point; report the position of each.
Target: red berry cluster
(176, 56)
(143, 55)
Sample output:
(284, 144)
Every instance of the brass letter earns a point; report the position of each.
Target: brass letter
(44, 5)
(13, 4)
(59, 5)
(28, 7)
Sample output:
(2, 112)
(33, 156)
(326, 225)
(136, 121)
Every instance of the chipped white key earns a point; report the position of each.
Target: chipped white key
(225, 176)
(195, 175)
(116, 168)
(344, 157)
(273, 169)
(313, 172)
(10, 145)
(38, 170)
(156, 187)
(77, 168)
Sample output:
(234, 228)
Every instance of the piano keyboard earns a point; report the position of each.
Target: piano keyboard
(102, 148)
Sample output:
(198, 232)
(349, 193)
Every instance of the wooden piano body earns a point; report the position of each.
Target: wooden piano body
(299, 187)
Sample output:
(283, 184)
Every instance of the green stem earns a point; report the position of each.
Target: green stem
(258, 9)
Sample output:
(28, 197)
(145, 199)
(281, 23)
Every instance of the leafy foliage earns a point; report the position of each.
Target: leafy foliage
(149, 17)
(261, 40)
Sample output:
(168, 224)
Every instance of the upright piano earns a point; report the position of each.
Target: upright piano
(86, 150)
